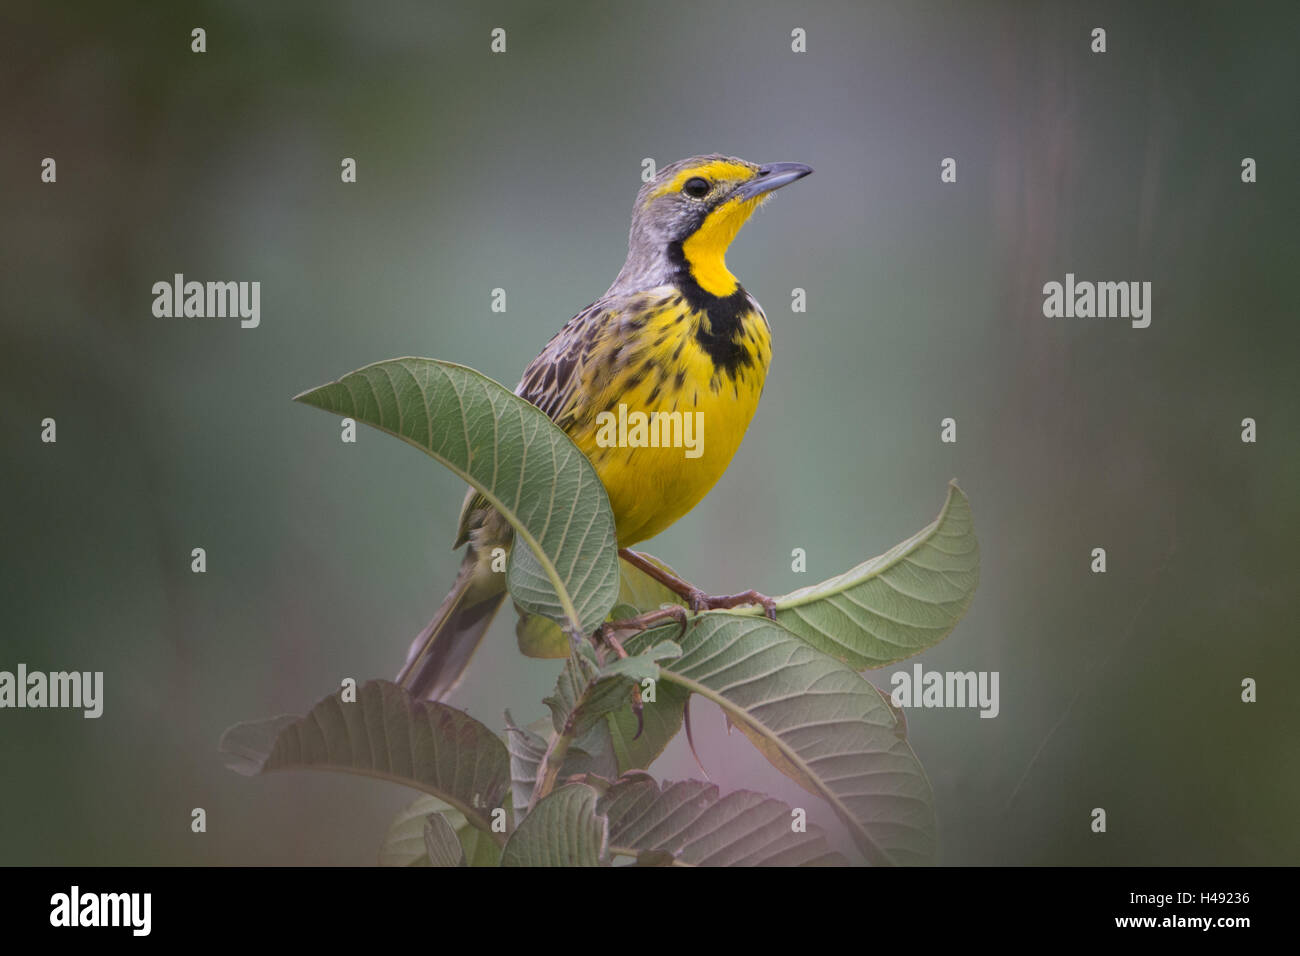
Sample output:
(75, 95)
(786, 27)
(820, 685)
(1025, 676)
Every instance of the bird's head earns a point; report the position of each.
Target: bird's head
(688, 214)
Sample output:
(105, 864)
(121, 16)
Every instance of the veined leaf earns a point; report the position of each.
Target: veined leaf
(817, 721)
(441, 844)
(661, 721)
(527, 748)
(592, 753)
(897, 604)
(525, 466)
(404, 843)
(385, 734)
(562, 830)
(587, 691)
(540, 637)
(695, 825)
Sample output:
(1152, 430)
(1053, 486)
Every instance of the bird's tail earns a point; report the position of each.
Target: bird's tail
(441, 652)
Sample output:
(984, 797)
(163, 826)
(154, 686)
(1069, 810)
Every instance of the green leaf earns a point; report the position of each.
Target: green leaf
(527, 748)
(895, 605)
(695, 825)
(562, 830)
(404, 843)
(441, 843)
(516, 457)
(591, 753)
(643, 592)
(539, 637)
(587, 691)
(817, 721)
(661, 721)
(383, 734)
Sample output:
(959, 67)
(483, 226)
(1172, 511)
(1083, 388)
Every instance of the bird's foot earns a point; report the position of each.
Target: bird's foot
(608, 632)
(700, 601)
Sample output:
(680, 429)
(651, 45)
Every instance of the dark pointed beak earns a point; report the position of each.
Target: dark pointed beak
(770, 177)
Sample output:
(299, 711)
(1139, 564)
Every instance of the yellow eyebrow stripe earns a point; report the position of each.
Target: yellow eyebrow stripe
(719, 169)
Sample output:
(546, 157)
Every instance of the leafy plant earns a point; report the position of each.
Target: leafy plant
(572, 789)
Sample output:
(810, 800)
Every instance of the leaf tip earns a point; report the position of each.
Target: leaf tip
(312, 396)
(247, 746)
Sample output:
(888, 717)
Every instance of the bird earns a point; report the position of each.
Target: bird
(675, 332)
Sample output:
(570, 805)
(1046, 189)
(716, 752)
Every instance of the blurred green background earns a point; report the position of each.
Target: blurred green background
(518, 171)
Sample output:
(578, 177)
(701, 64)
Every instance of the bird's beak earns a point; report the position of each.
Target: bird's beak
(770, 177)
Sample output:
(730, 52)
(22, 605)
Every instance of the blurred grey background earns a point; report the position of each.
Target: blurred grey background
(518, 171)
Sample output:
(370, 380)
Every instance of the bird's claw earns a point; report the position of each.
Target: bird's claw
(700, 601)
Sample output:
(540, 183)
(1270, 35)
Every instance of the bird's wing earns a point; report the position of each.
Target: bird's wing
(568, 376)
(558, 381)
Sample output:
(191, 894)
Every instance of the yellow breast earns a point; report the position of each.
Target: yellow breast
(663, 427)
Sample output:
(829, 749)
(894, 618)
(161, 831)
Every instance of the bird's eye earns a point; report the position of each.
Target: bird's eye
(696, 187)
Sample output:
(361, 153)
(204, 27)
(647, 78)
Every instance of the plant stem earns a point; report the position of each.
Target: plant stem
(549, 769)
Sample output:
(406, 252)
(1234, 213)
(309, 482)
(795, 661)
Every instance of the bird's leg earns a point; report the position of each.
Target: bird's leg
(669, 580)
(697, 599)
(642, 622)
(609, 638)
